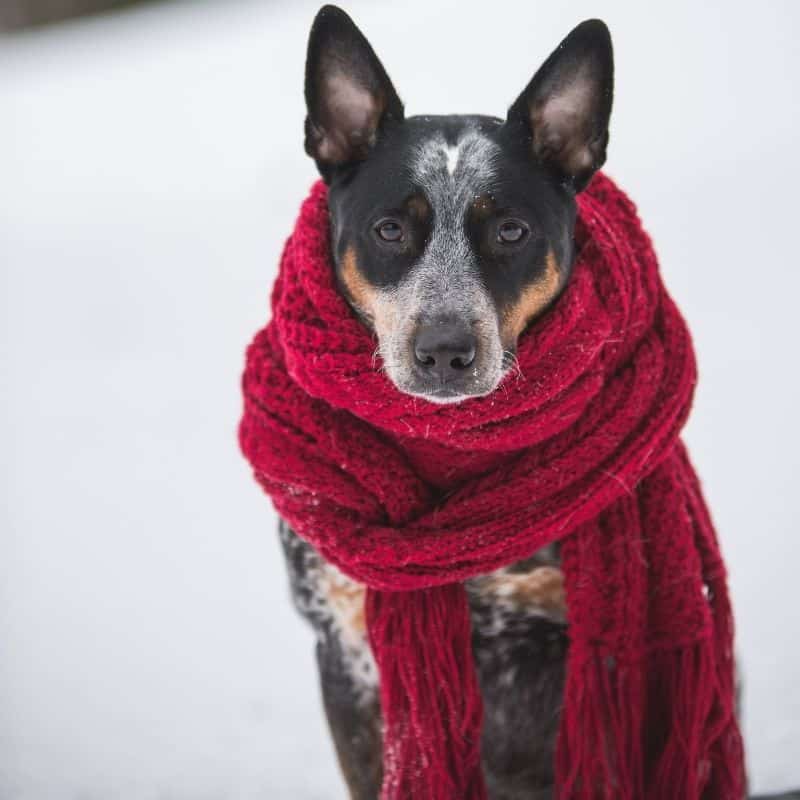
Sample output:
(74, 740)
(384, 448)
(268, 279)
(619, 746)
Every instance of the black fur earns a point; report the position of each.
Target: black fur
(386, 215)
(520, 660)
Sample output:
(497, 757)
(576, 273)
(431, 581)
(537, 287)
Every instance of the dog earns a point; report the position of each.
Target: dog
(451, 236)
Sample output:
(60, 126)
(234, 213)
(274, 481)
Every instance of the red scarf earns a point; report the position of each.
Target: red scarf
(411, 498)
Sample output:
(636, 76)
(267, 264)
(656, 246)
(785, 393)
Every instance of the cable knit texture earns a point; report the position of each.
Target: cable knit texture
(581, 446)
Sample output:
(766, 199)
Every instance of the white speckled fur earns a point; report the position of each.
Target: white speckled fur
(445, 281)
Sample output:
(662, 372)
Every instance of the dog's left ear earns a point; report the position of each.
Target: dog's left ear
(566, 107)
(349, 96)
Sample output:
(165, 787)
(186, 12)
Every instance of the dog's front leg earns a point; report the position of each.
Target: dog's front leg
(334, 605)
(354, 720)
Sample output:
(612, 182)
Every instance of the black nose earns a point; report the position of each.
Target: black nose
(444, 349)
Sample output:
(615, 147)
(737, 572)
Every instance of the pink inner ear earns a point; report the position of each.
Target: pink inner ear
(350, 120)
(562, 124)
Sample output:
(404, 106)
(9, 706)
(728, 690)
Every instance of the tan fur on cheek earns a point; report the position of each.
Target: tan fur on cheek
(533, 299)
(359, 291)
(373, 304)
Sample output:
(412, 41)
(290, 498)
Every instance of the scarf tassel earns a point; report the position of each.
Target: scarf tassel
(608, 746)
(608, 379)
(432, 710)
(600, 745)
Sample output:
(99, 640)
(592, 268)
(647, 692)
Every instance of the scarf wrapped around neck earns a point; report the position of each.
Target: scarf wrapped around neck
(580, 445)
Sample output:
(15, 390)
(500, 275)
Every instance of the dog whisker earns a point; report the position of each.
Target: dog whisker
(511, 362)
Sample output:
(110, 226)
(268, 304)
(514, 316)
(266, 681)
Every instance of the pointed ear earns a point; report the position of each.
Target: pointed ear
(349, 96)
(566, 106)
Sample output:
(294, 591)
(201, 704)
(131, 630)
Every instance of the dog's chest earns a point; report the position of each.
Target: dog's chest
(504, 604)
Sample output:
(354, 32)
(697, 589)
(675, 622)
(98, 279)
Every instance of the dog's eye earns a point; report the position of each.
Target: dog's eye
(390, 230)
(511, 233)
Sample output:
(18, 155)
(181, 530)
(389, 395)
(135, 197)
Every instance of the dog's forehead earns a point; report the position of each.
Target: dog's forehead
(454, 169)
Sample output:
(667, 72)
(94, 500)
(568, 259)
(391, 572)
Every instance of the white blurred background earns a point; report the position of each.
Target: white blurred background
(151, 164)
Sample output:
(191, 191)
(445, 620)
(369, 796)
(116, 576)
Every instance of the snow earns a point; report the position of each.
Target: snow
(151, 167)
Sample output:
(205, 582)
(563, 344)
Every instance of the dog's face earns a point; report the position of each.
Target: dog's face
(451, 234)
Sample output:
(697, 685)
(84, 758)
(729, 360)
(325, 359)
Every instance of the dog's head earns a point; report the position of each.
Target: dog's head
(451, 234)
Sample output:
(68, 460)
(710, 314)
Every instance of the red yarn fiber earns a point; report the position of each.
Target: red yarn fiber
(411, 498)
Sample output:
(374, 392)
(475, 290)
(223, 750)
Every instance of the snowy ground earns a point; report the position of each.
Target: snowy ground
(150, 167)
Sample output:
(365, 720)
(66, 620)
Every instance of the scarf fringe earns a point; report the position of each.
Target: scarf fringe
(599, 746)
(607, 721)
(687, 677)
(431, 702)
(409, 498)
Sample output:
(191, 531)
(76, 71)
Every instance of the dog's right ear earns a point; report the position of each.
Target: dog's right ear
(349, 96)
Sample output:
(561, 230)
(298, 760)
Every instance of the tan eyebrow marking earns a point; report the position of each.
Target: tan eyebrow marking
(482, 206)
(418, 206)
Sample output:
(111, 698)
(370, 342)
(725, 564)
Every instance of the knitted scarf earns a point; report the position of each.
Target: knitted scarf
(580, 446)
